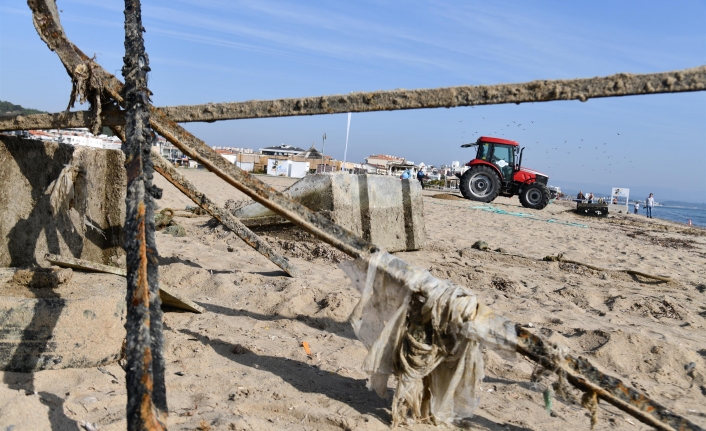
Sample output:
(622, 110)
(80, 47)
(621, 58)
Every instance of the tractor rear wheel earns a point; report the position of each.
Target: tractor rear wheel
(535, 196)
(480, 183)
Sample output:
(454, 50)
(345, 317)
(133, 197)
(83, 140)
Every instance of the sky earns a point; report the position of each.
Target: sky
(227, 50)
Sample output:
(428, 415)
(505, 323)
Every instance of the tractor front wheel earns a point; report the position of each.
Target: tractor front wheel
(535, 196)
(480, 183)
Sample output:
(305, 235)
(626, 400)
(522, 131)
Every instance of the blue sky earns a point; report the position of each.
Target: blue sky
(213, 51)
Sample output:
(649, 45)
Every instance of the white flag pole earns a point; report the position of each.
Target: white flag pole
(345, 151)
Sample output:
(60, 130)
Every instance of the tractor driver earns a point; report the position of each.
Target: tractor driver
(483, 151)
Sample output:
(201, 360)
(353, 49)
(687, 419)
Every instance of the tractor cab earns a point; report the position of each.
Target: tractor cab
(502, 154)
(497, 170)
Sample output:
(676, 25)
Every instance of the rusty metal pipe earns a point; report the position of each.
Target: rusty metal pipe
(226, 218)
(622, 84)
(147, 397)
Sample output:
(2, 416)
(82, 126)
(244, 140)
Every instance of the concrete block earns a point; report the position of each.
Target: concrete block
(29, 230)
(382, 209)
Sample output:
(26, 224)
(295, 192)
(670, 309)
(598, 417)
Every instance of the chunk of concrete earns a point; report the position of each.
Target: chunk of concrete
(382, 209)
(77, 324)
(29, 230)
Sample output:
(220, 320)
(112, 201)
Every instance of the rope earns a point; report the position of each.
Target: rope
(490, 208)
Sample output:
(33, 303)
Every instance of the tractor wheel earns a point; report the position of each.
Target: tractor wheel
(535, 196)
(480, 183)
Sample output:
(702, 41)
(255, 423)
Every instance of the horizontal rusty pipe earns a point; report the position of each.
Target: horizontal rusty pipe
(622, 84)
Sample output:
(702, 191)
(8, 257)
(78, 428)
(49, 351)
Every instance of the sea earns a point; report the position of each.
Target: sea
(678, 214)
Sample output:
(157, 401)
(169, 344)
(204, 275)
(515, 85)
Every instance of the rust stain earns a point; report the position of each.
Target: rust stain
(142, 293)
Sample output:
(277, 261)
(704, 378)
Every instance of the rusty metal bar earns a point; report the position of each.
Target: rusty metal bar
(586, 377)
(60, 120)
(185, 186)
(146, 390)
(622, 84)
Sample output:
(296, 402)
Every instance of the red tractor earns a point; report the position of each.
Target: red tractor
(497, 170)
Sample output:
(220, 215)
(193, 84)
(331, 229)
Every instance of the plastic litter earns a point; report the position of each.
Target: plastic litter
(428, 333)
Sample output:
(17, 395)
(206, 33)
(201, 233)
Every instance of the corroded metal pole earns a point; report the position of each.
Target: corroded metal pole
(622, 84)
(146, 391)
(583, 375)
(185, 186)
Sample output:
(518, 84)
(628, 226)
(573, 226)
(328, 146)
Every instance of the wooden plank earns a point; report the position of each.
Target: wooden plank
(169, 298)
(72, 262)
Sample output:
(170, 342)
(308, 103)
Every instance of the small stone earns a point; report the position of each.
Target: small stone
(231, 249)
(480, 245)
(239, 349)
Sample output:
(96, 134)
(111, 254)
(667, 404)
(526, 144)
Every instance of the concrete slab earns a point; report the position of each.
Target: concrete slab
(382, 209)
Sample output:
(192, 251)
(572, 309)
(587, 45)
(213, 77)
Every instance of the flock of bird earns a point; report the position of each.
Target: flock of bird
(567, 149)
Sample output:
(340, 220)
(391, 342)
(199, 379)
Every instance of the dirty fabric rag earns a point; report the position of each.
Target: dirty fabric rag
(428, 333)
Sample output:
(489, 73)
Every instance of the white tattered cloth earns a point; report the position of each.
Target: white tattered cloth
(428, 333)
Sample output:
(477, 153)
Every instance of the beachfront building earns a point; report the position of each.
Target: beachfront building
(281, 150)
(392, 165)
(77, 137)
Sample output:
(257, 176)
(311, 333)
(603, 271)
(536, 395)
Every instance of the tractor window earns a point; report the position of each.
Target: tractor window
(503, 158)
(483, 150)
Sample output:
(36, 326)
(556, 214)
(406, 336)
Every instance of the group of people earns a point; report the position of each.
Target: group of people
(421, 176)
(649, 204)
(583, 197)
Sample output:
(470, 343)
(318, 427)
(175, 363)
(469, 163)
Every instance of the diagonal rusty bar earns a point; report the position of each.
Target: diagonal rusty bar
(147, 396)
(622, 84)
(586, 377)
(179, 181)
(231, 222)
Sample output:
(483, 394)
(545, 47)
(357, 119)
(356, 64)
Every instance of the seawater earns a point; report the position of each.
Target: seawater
(680, 215)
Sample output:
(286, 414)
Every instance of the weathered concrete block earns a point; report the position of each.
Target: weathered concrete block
(77, 324)
(384, 210)
(29, 230)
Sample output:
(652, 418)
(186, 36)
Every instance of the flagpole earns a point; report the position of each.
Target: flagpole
(345, 151)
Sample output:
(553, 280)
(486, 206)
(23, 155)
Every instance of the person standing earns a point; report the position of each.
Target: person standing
(580, 196)
(420, 177)
(637, 206)
(590, 197)
(649, 204)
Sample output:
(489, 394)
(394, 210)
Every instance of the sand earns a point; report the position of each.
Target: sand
(241, 365)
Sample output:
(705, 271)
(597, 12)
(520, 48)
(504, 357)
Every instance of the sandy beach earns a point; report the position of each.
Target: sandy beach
(241, 365)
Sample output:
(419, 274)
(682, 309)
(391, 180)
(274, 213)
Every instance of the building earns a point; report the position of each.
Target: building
(77, 137)
(281, 150)
(383, 159)
(245, 163)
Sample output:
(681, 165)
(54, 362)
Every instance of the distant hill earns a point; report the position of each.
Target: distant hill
(7, 108)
